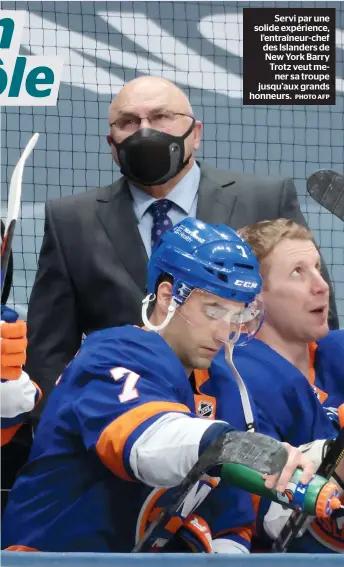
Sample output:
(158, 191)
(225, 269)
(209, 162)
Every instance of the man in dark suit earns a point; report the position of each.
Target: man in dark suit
(92, 265)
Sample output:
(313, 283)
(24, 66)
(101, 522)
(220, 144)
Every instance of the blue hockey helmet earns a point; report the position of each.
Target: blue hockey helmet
(209, 257)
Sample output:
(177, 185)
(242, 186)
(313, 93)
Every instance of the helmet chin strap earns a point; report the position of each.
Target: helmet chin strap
(170, 312)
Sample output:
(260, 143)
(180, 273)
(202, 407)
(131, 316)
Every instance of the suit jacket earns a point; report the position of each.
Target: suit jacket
(92, 265)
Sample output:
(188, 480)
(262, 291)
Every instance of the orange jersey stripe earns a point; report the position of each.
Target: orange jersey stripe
(244, 531)
(256, 502)
(9, 433)
(40, 393)
(341, 415)
(20, 548)
(111, 442)
(312, 347)
(201, 376)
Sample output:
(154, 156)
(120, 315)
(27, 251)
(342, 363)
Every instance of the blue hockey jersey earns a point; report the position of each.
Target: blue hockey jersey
(295, 408)
(78, 491)
(284, 394)
(329, 367)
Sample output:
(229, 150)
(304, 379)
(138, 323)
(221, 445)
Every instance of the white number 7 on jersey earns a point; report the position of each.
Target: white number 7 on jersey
(129, 391)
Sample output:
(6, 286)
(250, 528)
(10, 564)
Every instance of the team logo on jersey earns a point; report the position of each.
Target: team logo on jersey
(330, 531)
(205, 409)
(160, 498)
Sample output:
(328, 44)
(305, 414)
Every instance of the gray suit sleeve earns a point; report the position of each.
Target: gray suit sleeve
(53, 333)
(290, 209)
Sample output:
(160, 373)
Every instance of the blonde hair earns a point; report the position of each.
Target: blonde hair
(263, 236)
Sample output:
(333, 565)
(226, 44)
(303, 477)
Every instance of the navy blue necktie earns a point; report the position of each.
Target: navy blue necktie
(161, 221)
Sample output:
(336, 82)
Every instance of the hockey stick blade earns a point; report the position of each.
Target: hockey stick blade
(327, 188)
(14, 197)
(298, 518)
(254, 450)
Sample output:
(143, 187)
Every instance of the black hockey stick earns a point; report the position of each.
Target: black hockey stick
(327, 188)
(297, 519)
(6, 288)
(256, 451)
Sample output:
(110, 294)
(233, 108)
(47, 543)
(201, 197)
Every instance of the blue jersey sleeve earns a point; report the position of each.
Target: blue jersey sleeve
(115, 408)
(114, 403)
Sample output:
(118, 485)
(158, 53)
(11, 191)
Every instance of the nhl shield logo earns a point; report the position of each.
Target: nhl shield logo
(205, 409)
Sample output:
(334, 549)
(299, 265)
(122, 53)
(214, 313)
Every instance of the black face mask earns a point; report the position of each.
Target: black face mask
(151, 157)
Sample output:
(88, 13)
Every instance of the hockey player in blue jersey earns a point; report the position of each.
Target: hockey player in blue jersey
(295, 364)
(18, 396)
(122, 417)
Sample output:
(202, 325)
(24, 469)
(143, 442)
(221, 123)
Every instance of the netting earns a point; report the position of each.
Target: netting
(198, 45)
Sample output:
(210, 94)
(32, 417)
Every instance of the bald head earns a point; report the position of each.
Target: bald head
(154, 105)
(144, 94)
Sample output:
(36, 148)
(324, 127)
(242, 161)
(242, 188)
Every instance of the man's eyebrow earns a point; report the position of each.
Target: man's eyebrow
(160, 109)
(294, 262)
(124, 113)
(132, 113)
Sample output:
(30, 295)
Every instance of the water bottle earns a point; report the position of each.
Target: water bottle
(318, 498)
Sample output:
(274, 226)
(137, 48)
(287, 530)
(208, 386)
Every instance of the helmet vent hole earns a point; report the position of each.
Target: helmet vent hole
(222, 277)
(244, 266)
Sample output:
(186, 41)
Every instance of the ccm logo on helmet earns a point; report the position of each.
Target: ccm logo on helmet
(245, 284)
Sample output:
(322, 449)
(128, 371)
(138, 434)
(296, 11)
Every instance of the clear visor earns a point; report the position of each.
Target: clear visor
(248, 323)
(236, 323)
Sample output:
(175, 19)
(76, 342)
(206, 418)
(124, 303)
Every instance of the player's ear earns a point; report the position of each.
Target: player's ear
(164, 295)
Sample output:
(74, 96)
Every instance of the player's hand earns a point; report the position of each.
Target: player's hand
(13, 344)
(296, 459)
